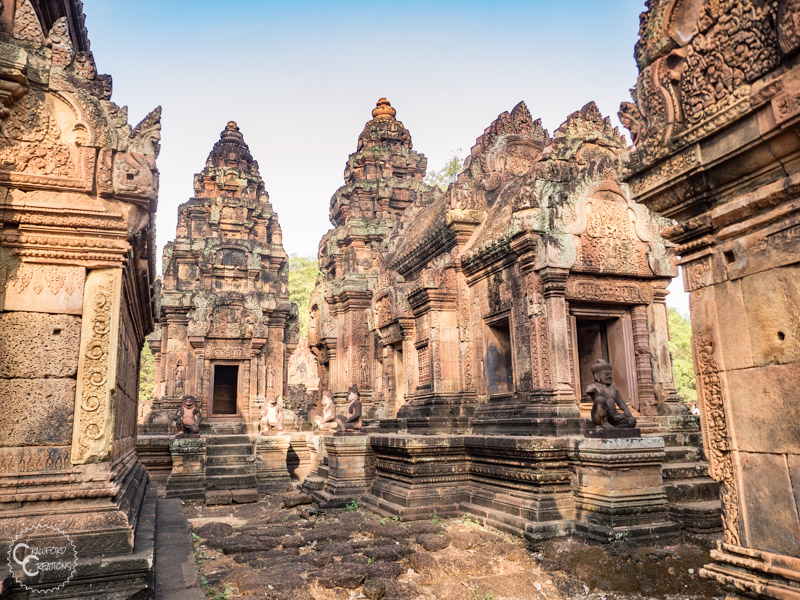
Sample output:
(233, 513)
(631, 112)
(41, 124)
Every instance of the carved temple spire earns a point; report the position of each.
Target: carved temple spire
(384, 175)
(230, 168)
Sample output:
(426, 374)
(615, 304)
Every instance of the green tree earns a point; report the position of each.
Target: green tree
(447, 174)
(303, 273)
(147, 375)
(680, 345)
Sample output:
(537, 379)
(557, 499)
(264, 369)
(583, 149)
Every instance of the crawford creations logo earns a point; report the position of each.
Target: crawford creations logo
(42, 559)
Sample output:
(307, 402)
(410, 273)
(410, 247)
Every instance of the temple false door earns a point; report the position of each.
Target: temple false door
(605, 333)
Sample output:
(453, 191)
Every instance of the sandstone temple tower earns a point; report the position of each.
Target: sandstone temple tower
(78, 190)
(226, 326)
(382, 178)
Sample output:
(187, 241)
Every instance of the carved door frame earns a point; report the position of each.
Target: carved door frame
(238, 416)
(626, 353)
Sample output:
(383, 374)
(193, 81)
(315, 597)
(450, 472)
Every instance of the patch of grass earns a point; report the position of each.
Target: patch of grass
(227, 591)
(435, 519)
(330, 540)
(199, 555)
(370, 560)
(353, 505)
(476, 594)
(396, 519)
(384, 520)
(467, 520)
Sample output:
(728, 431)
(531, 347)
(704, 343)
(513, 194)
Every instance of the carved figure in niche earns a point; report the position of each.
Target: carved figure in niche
(179, 377)
(188, 418)
(272, 417)
(605, 399)
(327, 420)
(248, 326)
(351, 421)
(363, 367)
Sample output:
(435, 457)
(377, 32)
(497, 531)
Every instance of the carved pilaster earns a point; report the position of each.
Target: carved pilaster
(554, 290)
(644, 370)
(715, 432)
(93, 424)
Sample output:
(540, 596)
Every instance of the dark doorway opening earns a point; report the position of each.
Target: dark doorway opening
(500, 374)
(226, 380)
(592, 344)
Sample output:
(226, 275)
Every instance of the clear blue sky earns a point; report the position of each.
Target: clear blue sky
(300, 79)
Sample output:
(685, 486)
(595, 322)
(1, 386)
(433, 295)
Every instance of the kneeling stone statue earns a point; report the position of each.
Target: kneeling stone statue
(606, 398)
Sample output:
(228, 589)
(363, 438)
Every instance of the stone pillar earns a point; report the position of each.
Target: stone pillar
(272, 474)
(351, 469)
(188, 477)
(669, 403)
(559, 343)
(644, 369)
(619, 492)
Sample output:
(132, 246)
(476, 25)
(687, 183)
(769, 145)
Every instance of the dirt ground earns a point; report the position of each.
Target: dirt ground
(282, 549)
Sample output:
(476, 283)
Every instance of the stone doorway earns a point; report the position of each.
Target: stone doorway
(499, 360)
(607, 334)
(399, 379)
(225, 390)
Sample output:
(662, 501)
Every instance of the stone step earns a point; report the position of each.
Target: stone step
(697, 489)
(684, 470)
(647, 426)
(227, 428)
(222, 461)
(227, 439)
(313, 483)
(230, 470)
(228, 449)
(698, 517)
(230, 482)
(514, 525)
(682, 454)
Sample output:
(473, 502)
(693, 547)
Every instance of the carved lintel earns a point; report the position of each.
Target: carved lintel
(93, 424)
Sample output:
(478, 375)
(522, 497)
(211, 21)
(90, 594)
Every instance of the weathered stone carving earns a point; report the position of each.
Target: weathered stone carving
(272, 417)
(188, 418)
(606, 398)
(351, 420)
(326, 420)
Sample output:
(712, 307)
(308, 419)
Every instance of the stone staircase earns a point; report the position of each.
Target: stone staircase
(693, 496)
(230, 465)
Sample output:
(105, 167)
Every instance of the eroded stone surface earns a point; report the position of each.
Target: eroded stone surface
(36, 411)
(54, 353)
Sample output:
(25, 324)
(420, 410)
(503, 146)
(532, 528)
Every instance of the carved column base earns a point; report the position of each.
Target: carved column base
(188, 477)
(351, 470)
(99, 511)
(751, 573)
(418, 475)
(272, 474)
(298, 458)
(619, 492)
(672, 406)
(437, 412)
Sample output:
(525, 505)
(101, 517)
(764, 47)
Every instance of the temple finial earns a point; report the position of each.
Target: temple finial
(383, 110)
